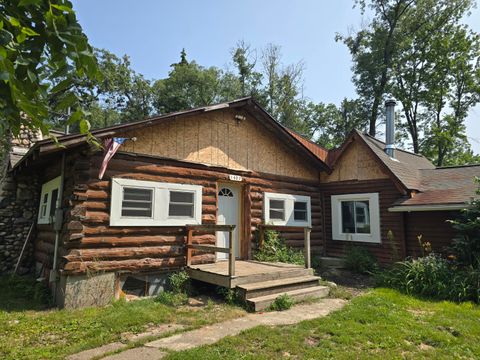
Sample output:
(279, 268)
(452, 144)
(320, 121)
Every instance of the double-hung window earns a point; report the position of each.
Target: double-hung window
(48, 201)
(287, 209)
(356, 217)
(150, 203)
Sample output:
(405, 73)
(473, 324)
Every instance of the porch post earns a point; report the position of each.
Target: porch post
(231, 254)
(306, 233)
(189, 248)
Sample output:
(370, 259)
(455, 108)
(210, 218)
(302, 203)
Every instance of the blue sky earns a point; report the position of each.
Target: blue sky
(153, 33)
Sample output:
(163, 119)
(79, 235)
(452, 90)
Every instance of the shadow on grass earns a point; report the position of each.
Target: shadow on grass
(21, 293)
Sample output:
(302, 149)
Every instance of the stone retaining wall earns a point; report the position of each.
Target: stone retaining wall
(19, 198)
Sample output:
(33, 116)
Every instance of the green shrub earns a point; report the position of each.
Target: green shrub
(275, 249)
(435, 277)
(180, 282)
(466, 244)
(172, 299)
(360, 260)
(282, 302)
(231, 296)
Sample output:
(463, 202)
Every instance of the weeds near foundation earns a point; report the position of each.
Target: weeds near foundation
(281, 303)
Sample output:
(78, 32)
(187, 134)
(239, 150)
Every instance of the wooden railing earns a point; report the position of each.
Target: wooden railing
(211, 248)
(306, 238)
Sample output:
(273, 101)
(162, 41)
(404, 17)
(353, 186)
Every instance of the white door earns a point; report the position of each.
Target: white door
(228, 214)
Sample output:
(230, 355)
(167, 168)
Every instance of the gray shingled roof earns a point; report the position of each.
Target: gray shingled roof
(406, 166)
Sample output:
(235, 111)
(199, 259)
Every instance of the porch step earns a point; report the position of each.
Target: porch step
(263, 302)
(271, 275)
(262, 288)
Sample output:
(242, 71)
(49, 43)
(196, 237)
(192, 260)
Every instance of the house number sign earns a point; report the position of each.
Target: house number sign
(235, 177)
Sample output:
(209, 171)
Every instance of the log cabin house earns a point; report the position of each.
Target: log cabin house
(197, 188)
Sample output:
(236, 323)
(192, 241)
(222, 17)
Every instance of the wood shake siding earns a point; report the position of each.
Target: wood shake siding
(93, 243)
(388, 194)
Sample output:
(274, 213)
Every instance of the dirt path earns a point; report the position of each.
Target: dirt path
(210, 334)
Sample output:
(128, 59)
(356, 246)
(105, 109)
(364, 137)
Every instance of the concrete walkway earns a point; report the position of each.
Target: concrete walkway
(213, 333)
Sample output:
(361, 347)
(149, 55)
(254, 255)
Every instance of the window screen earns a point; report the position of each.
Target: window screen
(137, 202)
(53, 202)
(355, 217)
(277, 209)
(300, 211)
(181, 204)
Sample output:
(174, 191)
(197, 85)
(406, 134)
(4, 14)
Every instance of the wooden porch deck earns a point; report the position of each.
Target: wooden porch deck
(246, 271)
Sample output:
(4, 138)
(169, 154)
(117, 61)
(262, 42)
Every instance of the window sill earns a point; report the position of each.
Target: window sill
(356, 238)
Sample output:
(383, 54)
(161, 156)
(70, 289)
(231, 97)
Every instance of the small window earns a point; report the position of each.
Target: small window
(277, 209)
(300, 211)
(287, 209)
(137, 202)
(181, 204)
(53, 202)
(43, 208)
(48, 201)
(152, 203)
(225, 192)
(356, 217)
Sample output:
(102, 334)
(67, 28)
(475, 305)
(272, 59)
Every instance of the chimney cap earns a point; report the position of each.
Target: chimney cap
(390, 102)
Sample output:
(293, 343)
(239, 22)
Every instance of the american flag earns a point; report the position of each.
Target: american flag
(111, 147)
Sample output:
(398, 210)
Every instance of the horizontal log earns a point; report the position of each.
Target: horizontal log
(112, 241)
(101, 230)
(134, 265)
(123, 253)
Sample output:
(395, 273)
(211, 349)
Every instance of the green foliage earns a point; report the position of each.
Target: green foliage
(466, 244)
(381, 324)
(419, 52)
(29, 331)
(171, 298)
(231, 296)
(24, 292)
(282, 302)
(434, 277)
(180, 282)
(276, 250)
(43, 50)
(360, 260)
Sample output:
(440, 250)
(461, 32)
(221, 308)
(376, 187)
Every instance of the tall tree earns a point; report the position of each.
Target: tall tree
(330, 125)
(188, 85)
(244, 59)
(373, 50)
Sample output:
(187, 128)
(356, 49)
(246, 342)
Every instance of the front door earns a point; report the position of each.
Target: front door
(228, 214)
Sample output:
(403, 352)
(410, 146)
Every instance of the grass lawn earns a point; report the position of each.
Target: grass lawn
(29, 331)
(381, 324)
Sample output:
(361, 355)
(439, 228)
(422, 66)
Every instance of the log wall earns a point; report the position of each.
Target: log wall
(90, 243)
(433, 227)
(388, 194)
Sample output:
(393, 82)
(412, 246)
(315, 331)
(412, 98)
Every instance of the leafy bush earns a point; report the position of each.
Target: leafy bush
(230, 296)
(276, 250)
(282, 302)
(360, 260)
(435, 277)
(466, 245)
(172, 299)
(179, 282)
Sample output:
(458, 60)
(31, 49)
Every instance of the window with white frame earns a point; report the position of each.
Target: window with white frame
(48, 201)
(356, 217)
(287, 209)
(151, 203)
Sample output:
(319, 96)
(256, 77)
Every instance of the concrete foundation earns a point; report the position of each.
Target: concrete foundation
(80, 291)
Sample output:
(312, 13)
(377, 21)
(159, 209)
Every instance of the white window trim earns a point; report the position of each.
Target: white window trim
(47, 188)
(337, 234)
(289, 203)
(160, 199)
